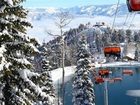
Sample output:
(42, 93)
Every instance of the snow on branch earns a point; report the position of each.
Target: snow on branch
(23, 61)
(33, 47)
(2, 8)
(9, 2)
(26, 75)
(2, 58)
(2, 50)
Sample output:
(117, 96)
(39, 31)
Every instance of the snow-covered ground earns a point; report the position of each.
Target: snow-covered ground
(57, 74)
(69, 71)
(117, 64)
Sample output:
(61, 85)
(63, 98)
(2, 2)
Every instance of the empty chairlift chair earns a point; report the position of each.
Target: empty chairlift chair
(99, 79)
(128, 72)
(103, 72)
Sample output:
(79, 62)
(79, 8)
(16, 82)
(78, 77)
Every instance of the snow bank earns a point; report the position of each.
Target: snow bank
(117, 64)
(57, 74)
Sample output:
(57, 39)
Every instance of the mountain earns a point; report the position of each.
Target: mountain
(42, 19)
(104, 10)
(39, 13)
(91, 10)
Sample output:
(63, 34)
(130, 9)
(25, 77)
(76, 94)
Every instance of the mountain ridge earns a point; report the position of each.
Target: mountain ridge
(89, 10)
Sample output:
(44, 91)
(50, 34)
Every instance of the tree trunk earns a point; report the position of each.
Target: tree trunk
(63, 71)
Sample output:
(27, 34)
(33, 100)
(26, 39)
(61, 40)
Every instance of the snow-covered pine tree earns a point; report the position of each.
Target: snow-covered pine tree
(16, 50)
(12, 28)
(46, 82)
(129, 35)
(83, 93)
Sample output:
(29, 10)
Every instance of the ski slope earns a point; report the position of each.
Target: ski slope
(69, 71)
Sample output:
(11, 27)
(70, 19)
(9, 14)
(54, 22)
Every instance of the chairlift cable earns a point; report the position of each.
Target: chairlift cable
(132, 20)
(130, 16)
(115, 16)
(125, 20)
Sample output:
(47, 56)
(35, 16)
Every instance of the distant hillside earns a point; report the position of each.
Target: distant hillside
(98, 36)
(42, 19)
(92, 10)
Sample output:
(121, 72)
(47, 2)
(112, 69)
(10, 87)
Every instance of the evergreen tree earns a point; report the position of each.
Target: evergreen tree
(12, 30)
(98, 43)
(46, 81)
(83, 93)
(129, 35)
(121, 34)
(136, 37)
(18, 87)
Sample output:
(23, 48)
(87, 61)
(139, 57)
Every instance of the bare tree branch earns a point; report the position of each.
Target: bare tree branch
(62, 19)
(51, 34)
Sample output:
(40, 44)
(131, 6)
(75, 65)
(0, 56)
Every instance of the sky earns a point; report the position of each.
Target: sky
(67, 3)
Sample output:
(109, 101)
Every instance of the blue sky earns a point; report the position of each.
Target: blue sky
(67, 3)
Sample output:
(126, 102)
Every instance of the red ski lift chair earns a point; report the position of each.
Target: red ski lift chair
(133, 5)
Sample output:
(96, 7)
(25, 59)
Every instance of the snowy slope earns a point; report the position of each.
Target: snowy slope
(57, 74)
(117, 64)
(69, 71)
